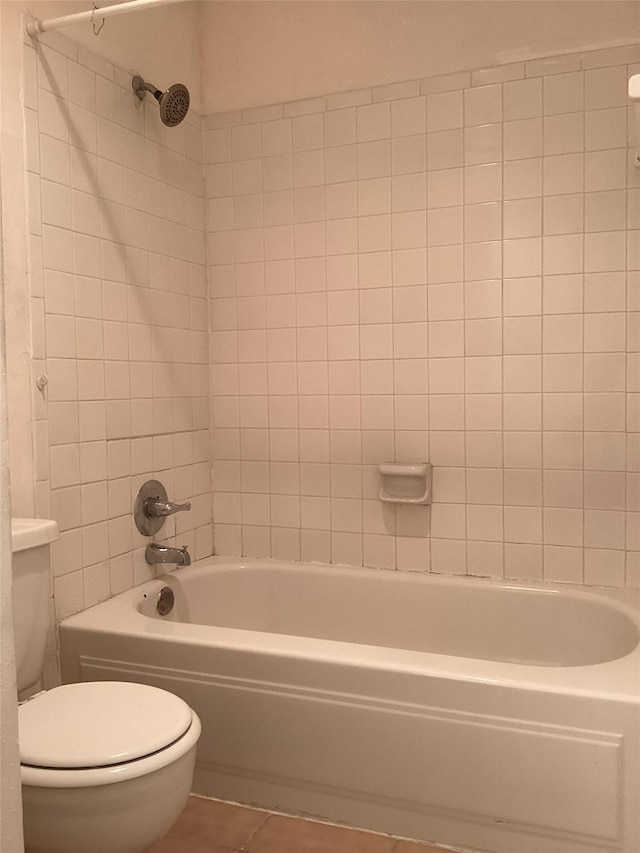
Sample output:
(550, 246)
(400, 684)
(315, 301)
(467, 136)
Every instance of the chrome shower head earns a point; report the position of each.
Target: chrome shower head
(174, 103)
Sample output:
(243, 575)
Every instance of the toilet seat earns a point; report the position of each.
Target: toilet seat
(96, 733)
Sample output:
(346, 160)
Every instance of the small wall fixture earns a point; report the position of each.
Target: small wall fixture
(405, 484)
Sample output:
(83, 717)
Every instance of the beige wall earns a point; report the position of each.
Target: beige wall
(256, 53)
(10, 809)
(12, 172)
(163, 45)
(10, 806)
(10, 812)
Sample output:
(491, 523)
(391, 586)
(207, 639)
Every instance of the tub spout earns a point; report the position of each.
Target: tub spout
(155, 553)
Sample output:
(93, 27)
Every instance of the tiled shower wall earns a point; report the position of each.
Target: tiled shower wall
(441, 270)
(119, 317)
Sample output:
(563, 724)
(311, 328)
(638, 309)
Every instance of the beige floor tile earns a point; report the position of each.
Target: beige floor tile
(211, 826)
(175, 844)
(292, 835)
(213, 822)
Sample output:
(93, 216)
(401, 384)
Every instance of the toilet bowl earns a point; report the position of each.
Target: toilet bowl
(106, 766)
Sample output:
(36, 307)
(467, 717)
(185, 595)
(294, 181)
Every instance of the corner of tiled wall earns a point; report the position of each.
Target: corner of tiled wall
(444, 269)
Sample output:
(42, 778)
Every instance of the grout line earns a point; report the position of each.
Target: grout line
(252, 835)
(301, 819)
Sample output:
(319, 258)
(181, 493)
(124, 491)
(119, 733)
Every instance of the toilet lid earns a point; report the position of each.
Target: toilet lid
(98, 724)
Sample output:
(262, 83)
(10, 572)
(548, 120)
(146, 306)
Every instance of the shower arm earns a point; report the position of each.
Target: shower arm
(141, 88)
(35, 27)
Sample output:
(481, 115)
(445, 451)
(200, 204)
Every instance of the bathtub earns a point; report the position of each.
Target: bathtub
(477, 714)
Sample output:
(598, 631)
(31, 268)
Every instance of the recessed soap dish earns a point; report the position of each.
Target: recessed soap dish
(405, 484)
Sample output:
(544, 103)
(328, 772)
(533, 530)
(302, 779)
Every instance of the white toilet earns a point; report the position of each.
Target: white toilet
(106, 766)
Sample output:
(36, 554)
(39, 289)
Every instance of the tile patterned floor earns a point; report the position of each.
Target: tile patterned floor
(210, 826)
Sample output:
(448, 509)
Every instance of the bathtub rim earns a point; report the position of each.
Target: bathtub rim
(617, 679)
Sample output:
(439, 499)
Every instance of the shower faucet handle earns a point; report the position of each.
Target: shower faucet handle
(152, 506)
(159, 508)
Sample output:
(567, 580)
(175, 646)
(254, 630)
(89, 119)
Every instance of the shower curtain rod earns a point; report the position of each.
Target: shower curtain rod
(36, 27)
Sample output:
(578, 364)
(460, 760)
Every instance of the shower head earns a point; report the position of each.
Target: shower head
(174, 103)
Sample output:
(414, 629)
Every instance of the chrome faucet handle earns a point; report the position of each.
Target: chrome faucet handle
(159, 508)
(152, 506)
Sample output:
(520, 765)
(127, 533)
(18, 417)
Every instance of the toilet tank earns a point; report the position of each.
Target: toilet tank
(30, 540)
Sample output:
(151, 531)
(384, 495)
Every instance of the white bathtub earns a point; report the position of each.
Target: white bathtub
(496, 717)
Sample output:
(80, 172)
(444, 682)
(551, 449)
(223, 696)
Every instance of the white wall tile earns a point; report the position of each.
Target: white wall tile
(522, 99)
(482, 105)
(497, 374)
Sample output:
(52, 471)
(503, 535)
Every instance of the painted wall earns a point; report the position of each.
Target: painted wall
(14, 330)
(16, 307)
(257, 53)
(162, 45)
(10, 805)
(442, 270)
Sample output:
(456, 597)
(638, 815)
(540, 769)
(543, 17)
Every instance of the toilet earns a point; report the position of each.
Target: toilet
(106, 766)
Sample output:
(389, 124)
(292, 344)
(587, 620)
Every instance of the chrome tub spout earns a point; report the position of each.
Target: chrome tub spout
(155, 553)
